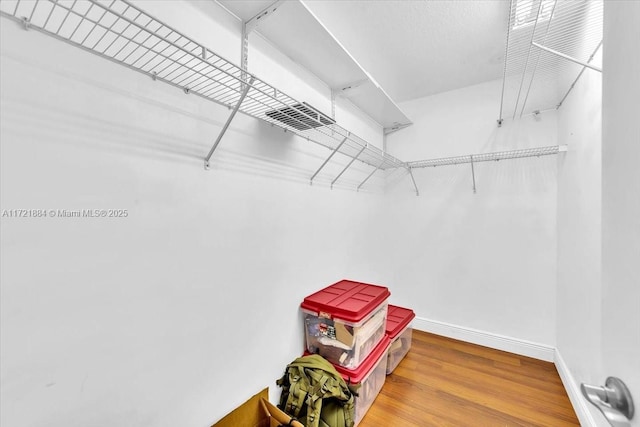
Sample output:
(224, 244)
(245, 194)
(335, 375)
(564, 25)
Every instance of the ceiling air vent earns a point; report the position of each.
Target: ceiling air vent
(301, 116)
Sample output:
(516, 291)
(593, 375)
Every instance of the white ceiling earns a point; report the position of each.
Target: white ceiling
(416, 48)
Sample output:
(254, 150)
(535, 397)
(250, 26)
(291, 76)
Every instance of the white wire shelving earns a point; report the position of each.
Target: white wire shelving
(487, 157)
(123, 33)
(550, 44)
(484, 157)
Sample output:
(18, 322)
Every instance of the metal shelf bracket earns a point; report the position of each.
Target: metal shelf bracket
(567, 57)
(579, 75)
(252, 24)
(473, 175)
(348, 165)
(259, 17)
(245, 90)
(413, 180)
(396, 128)
(369, 176)
(327, 160)
(350, 86)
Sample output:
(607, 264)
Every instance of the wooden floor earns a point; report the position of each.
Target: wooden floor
(444, 382)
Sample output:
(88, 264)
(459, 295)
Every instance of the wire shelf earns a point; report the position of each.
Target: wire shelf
(536, 79)
(125, 34)
(487, 157)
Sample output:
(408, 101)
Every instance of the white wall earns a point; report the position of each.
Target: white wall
(482, 261)
(156, 318)
(579, 228)
(598, 230)
(621, 196)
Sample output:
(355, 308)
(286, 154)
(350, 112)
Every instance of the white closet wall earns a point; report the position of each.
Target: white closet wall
(479, 267)
(579, 293)
(598, 231)
(157, 318)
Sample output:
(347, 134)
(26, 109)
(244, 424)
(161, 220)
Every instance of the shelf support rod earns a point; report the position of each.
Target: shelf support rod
(473, 175)
(347, 167)
(504, 68)
(413, 180)
(579, 75)
(535, 67)
(526, 64)
(327, 160)
(370, 175)
(567, 57)
(245, 90)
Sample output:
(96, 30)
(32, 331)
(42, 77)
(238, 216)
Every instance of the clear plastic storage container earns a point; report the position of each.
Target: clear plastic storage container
(345, 321)
(399, 331)
(368, 379)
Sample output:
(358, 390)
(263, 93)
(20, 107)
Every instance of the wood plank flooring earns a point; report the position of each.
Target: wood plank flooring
(444, 382)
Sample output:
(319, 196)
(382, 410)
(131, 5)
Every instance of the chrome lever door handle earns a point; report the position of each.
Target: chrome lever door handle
(613, 400)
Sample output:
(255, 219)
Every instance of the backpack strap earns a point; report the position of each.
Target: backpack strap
(289, 423)
(315, 396)
(298, 391)
(349, 408)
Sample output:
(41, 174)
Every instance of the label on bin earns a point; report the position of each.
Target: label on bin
(327, 330)
(324, 315)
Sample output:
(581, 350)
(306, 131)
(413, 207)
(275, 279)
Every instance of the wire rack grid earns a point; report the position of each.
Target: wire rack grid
(487, 157)
(536, 79)
(121, 32)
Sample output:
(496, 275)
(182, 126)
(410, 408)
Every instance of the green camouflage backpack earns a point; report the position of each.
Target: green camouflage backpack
(316, 394)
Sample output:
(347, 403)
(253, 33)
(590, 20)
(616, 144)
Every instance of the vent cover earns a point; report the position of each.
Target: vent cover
(301, 117)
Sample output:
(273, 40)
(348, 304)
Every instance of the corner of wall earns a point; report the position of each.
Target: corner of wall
(573, 390)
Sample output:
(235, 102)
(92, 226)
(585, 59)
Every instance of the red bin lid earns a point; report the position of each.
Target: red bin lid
(397, 319)
(346, 300)
(355, 376)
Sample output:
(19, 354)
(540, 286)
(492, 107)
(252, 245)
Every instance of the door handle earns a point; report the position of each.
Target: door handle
(613, 400)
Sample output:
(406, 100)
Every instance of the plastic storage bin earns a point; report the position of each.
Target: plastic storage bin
(368, 378)
(399, 331)
(345, 321)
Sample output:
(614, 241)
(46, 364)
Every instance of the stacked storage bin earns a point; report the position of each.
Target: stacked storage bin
(368, 378)
(345, 323)
(399, 332)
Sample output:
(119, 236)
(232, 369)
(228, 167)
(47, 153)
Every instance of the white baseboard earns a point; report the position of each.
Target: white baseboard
(487, 339)
(580, 405)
